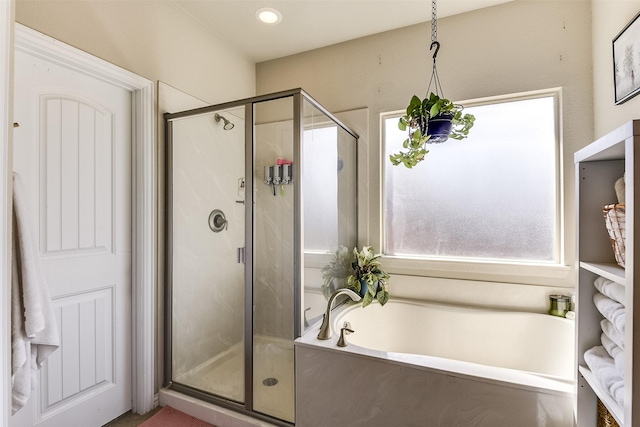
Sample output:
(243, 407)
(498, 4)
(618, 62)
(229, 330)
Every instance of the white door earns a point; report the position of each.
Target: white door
(73, 151)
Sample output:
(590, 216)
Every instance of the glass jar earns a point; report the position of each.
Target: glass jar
(559, 306)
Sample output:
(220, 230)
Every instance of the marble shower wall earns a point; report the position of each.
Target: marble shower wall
(208, 282)
(273, 239)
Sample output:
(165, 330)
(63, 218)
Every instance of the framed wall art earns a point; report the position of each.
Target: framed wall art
(626, 62)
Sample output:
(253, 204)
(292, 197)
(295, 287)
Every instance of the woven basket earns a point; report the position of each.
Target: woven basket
(614, 217)
(605, 419)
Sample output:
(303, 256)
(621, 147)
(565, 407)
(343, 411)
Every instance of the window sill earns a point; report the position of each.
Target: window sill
(543, 274)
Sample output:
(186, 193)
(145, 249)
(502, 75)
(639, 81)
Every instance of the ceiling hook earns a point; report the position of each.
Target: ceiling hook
(437, 45)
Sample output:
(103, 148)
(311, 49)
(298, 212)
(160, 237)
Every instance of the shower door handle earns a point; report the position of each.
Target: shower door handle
(241, 259)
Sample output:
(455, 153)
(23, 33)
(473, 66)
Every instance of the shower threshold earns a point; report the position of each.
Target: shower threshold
(273, 383)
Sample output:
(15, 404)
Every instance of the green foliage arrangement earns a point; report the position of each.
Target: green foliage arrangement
(416, 122)
(367, 268)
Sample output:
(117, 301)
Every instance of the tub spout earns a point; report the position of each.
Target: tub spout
(325, 328)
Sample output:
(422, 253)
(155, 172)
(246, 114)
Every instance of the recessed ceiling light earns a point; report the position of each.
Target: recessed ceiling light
(268, 15)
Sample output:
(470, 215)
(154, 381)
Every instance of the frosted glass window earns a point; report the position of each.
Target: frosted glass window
(320, 183)
(491, 196)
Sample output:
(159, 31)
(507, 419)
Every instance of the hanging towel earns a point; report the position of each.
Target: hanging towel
(612, 332)
(610, 310)
(613, 290)
(34, 332)
(603, 367)
(616, 353)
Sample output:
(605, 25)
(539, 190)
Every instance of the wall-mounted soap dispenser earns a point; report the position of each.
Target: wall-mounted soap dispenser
(268, 175)
(279, 174)
(287, 174)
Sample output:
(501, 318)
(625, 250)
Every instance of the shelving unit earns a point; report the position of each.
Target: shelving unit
(598, 166)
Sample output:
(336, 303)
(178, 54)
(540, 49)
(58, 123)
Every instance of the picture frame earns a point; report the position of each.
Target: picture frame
(626, 62)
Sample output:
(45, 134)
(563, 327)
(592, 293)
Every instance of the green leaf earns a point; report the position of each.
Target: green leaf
(368, 299)
(383, 297)
(435, 109)
(372, 288)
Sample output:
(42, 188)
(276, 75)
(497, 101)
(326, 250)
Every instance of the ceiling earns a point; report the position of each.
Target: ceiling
(310, 24)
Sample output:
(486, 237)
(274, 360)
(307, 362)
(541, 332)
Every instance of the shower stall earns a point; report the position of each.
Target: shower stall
(261, 193)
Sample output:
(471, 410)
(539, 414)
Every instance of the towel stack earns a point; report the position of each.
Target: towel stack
(606, 361)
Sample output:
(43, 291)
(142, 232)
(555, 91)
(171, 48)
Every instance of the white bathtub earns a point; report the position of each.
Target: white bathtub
(428, 364)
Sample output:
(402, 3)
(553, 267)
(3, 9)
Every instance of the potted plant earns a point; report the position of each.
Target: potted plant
(335, 273)
(368, 279)
(431, 120)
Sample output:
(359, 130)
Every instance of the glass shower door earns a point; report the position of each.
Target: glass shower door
(207, 216)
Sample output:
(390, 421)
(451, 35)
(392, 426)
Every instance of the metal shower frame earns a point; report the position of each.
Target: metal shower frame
(298, 95)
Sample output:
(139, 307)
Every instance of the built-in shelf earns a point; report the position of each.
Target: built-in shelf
(598, 166)
(614, 407)
(611, 271)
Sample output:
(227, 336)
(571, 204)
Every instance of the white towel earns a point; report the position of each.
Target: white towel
(613, 290)
(611, 310)
(616, 353)
(603, 367)
(34, 332)
(612, 332)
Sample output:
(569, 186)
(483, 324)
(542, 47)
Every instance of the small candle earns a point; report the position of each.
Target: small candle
(560, 304)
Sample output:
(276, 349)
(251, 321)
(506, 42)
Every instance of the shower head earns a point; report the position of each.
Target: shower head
(227, 124)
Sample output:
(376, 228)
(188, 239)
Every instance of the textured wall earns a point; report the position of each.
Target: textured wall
(513, 47)
(152, 38)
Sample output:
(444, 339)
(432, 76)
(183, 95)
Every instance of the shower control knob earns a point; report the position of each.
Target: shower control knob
(217, 221)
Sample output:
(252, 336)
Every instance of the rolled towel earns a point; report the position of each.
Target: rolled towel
(613, 333)
(613, 290)
(615, 352)
(611, 310)
(603, 367)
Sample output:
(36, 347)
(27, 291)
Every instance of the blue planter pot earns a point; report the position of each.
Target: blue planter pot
(439, 128)
(363, 288)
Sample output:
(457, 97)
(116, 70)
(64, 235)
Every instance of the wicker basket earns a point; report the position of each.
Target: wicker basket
(614, 217)
(605, 419)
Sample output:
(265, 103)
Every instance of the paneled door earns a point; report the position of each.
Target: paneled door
(72, 150)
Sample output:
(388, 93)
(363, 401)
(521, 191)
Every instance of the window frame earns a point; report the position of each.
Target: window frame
(519, 271)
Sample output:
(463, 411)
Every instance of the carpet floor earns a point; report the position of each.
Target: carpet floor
(169, 417)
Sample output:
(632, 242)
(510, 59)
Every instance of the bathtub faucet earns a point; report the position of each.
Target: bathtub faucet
(325, 328)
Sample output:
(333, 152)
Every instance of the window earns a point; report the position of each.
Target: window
(320, 183)
(492, 196)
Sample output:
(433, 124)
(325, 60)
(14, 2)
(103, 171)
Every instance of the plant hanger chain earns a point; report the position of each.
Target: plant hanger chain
(434, 42)
(434, 22)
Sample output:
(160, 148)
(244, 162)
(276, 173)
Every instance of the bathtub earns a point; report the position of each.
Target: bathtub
(425, 364)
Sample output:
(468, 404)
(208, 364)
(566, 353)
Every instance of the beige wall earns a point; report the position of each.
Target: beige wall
(609, 18)
(154, 39)
(513, 47)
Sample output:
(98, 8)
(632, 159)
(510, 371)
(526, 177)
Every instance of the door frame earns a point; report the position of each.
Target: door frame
(6, 167)
(143, 168)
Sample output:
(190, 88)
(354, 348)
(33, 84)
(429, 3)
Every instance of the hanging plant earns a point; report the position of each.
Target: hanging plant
(431, 120)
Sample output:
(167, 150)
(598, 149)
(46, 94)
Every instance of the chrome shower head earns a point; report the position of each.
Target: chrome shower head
(227, 124)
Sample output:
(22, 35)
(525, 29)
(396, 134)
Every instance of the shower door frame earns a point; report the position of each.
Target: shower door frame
(297, 96)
